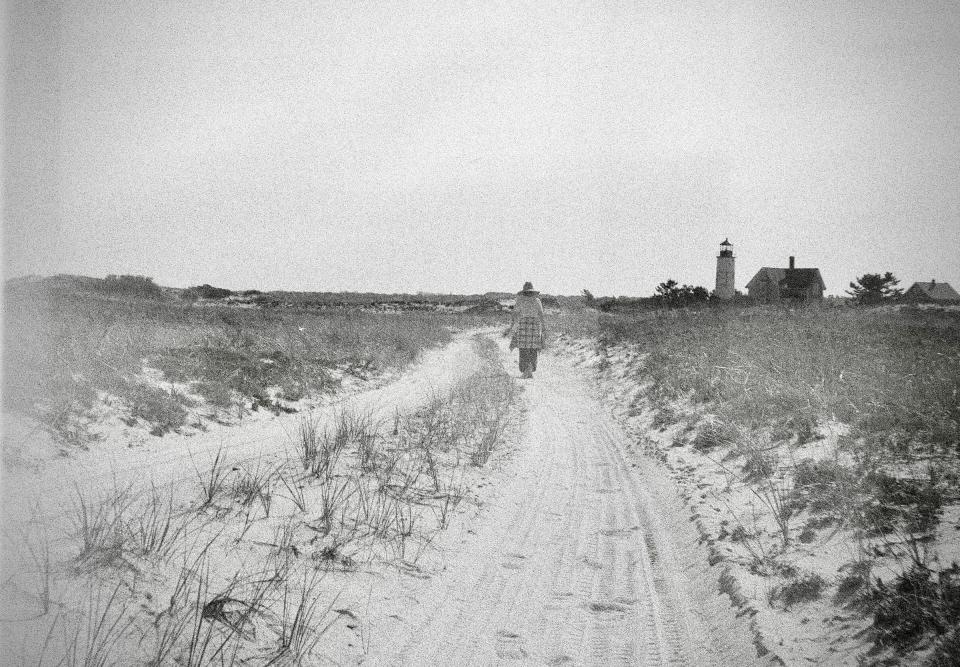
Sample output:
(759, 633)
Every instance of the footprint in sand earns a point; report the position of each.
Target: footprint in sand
(618, 605)
(510, 646)
(616, 532)
(513, 563)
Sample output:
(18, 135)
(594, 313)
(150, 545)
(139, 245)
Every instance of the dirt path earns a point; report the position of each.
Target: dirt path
(579, 553)
(572, 562)
(43, 493)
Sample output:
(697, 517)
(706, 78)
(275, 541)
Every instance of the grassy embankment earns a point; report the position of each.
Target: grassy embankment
(247, 568)
(759, 391)
(64, 344)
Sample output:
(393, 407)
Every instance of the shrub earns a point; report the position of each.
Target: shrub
(164, 411)
(824, 487)
(140, 286)
(671, 295)
(806, 588)
(946, 653)
(885, 504)
(803, 426)
(915, 605)
(758, 466)
(853, 587)
(207, 292)
(923, 498)
(664, 417)
(714, 434)
(815, 475)
(215, 393)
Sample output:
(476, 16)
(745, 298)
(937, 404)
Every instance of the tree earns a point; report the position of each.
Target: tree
(874, 288)
(666, 291)
(699, 294)
(588, 297)
(672, 295)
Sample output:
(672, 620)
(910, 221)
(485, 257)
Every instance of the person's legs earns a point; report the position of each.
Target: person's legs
(533, 359)
(526, 361)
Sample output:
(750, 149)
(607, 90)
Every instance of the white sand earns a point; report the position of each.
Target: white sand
(571, 548)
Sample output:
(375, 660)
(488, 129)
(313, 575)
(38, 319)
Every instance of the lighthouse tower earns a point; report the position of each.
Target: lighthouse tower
(725, 289)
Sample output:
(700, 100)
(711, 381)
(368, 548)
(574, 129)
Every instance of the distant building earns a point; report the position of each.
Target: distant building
(931, 292)
(772, 285)
(725, 274)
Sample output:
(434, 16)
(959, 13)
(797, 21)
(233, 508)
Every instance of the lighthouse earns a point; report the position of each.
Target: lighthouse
(725, 289)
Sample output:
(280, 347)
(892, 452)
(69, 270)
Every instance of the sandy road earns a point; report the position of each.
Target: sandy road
(579, 555)
(571, 563)
(43, 494)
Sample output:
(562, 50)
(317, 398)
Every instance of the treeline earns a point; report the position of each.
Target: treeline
(668, 294)
(869, 289)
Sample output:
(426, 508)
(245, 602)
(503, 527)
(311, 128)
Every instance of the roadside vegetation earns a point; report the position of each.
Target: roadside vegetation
(827, 442)
(169, 362)
(246, 562)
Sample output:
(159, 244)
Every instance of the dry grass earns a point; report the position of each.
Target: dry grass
(884, 373)
(361, 491)
(121, 526)
(213, 481)
(301, 619)
(753, 388)
(64, 345)
(96, 633)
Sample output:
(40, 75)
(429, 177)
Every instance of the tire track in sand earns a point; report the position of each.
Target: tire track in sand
(564, 564)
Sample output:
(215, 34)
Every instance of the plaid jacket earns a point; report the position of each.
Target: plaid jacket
(527, 334)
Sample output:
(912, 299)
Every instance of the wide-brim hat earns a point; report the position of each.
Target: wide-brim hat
(528, 289)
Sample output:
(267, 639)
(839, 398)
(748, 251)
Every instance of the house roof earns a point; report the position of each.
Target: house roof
(802, 278)
(935, 290)
(766, 275)
(791, 278)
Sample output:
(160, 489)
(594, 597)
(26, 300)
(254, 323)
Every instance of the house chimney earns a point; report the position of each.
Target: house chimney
(791, 261)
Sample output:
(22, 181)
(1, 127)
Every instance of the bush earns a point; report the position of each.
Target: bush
(946, 653)
(215, 393)
(164, 411)
(916, 605)
(140, 286)
(886, 504)
(824, 487)
(758, 466)
(818, 475)
(671, 295)
(664, 417)
(714, 434)
(921, 501)
(803, 426)
(853, 587)
(806, 588)
(207, 292)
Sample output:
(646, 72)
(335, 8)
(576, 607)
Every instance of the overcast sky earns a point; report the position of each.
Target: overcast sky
(465, 147)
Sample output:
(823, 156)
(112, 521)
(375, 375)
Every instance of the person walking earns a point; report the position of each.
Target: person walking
(528, 329)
